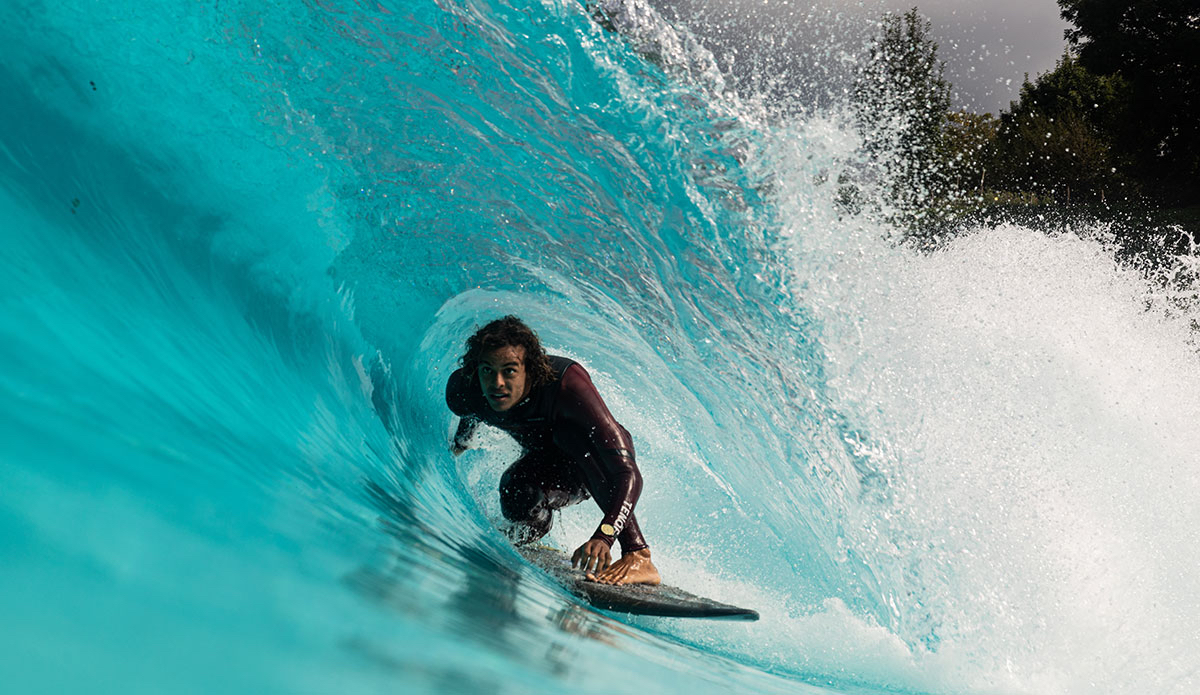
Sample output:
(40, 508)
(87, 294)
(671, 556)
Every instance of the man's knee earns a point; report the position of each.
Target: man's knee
(519, 500)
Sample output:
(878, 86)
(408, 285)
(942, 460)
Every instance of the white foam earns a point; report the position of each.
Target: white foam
(1039, 416)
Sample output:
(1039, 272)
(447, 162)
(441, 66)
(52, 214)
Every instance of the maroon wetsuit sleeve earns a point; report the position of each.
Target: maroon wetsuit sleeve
(458, 394)
(458, 399)
(616, 480)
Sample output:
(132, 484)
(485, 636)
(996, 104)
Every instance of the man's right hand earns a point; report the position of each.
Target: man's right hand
(592, 556)
(456, 448)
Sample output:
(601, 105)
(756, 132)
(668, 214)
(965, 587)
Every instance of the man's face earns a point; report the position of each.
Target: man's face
(502, 376)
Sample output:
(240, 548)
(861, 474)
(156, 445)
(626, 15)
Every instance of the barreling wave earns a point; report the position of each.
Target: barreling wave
(243, 249)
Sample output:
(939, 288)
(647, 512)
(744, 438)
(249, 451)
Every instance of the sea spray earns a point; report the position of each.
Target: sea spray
(1034, 403)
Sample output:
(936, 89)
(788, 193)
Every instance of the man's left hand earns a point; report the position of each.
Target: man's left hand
(593, 556)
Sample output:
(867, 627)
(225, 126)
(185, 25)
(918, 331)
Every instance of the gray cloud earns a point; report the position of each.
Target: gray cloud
(807, 47)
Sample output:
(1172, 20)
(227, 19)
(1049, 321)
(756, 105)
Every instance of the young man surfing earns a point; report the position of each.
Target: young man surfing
(573, 447)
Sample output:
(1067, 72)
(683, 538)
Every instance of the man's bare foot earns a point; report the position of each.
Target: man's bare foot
(632, 568)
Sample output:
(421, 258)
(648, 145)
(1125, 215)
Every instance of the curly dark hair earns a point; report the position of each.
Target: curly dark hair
(503, 332)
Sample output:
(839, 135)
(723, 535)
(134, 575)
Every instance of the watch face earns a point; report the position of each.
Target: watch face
(608, 530)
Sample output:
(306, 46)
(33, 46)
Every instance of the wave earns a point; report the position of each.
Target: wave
(244, 251)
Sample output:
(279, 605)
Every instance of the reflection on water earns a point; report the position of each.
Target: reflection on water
(481, 594)
(577, 620)
(444, 679)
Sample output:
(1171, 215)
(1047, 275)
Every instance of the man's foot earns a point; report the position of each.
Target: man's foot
(632, 568)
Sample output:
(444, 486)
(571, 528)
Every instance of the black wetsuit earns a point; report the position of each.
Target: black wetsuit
(573, 447)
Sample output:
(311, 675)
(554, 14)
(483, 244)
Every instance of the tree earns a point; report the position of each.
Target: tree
(901, 103)
(968, 144)
(1057, 137)
(1154, 45)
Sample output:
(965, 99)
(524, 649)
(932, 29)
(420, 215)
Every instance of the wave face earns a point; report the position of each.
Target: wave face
(245, 243)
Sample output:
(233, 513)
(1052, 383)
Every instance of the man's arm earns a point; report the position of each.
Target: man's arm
(458, 399)
(581, 407)
(466, 427)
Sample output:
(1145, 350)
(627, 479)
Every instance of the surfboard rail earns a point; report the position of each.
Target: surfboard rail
(637, 599)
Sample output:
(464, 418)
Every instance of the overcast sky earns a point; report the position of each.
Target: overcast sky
(987, 46)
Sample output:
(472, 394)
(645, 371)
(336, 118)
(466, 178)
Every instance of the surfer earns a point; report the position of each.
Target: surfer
(573, 447)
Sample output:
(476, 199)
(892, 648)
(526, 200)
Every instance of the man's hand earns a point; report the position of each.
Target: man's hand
(592, 556)
(456, 448)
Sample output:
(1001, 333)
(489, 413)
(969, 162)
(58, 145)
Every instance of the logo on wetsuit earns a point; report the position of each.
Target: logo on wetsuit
(619, 522)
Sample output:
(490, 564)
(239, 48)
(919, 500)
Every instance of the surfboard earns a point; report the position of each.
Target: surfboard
(637, 599)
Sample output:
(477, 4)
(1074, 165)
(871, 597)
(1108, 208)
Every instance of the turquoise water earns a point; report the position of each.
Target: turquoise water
(243, 245)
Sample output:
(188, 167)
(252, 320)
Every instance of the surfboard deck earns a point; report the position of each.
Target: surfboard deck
(638, 599)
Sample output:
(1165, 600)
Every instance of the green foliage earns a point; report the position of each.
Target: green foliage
(901, 101)
(1116, 120)
(1113, 132)
(1057, 137)
(968, 145)
(1056, 153)
(1154, 46)
(1072, 88)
